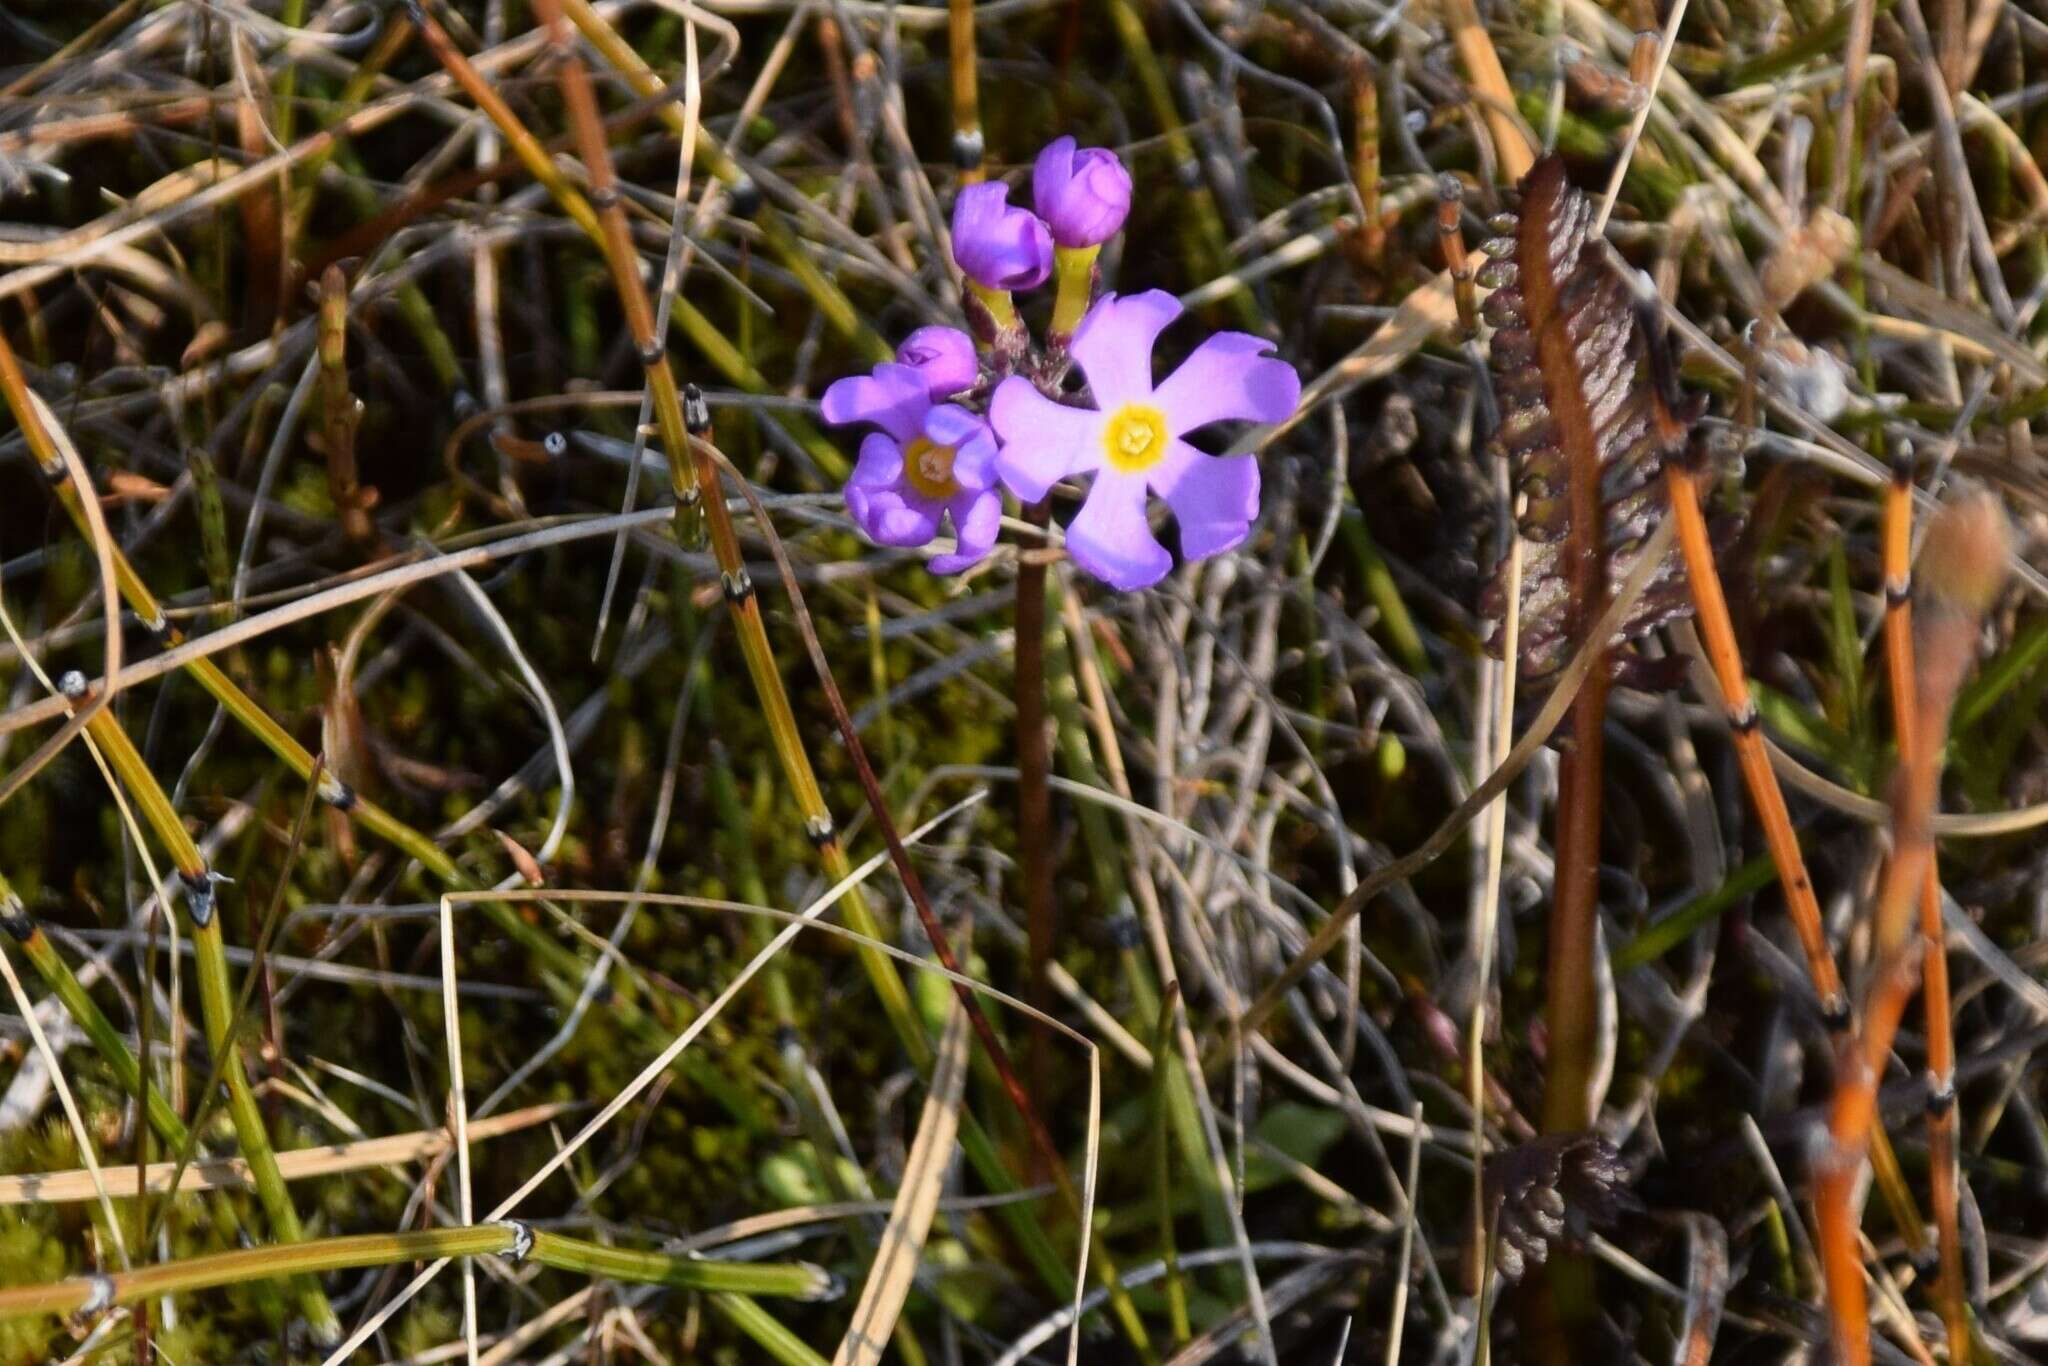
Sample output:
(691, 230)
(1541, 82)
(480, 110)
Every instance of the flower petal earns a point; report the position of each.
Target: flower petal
(880, 464)
(1228, 376)
(1043, 441)
(1111, 539)
(944, 356)
(974, 445)
(1214, 498)
(949, 424)
(890, 517)
(1113, 344)
(894, 398)
(974, 461)
(976, 519)
(998, 246)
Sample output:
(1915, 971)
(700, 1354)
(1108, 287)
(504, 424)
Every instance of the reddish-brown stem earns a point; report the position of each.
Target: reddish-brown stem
(1034, 799)
(1942, 1175)
(1962, 566)
(1450, 205)
(1717, 633)
(1567, 1097)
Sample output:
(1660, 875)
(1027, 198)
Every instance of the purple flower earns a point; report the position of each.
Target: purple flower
(1131, 441)
(999, 247)
(928, 461)
(944, 356)
(1083, 196)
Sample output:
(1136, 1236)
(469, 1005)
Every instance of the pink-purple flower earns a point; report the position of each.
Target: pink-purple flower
(1083, 195)
(928, 462)
(1132, 439)
(997, 245)
(944, 356)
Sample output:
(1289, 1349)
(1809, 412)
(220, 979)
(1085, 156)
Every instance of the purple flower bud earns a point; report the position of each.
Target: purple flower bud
(944, 356)
(1083, 196)
(999, 247)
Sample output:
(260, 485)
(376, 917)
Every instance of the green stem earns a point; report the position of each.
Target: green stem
(790, 1280)
(784, 1280)
(764, 1328)
(215, 998)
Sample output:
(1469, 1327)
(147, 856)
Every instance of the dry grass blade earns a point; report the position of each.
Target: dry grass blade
(917, 1200)
(1512, 146)
(297, 1164)
(1706, 1289)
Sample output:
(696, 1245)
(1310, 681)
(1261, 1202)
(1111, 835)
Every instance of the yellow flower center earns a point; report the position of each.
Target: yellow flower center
(929, 468)
(1134, 439)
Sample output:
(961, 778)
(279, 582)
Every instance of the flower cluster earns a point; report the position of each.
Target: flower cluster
(1011, 424)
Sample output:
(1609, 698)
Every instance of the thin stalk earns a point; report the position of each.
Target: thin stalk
(765, 1329)
(968, 144)
(1717, 632)
(1162, 1165)
(1963, 566)
(694, 484)
(781, 1280)
(216, 1009)
(91, 1294)
(1371, 234)
(1745, 729)
(1034, 799)
(212, 516)
(1942, 1174)
(1450, 208)
(340, 411)
(1575, 908)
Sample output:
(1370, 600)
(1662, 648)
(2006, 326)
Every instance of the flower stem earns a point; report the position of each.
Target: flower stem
(999, 305)
(1034, 797)
(1074, 269)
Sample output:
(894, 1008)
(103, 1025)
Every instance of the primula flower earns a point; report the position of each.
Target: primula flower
(1131, 441)
(996, 245)
(944, 356)
(1083, 196)
(929, 461)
